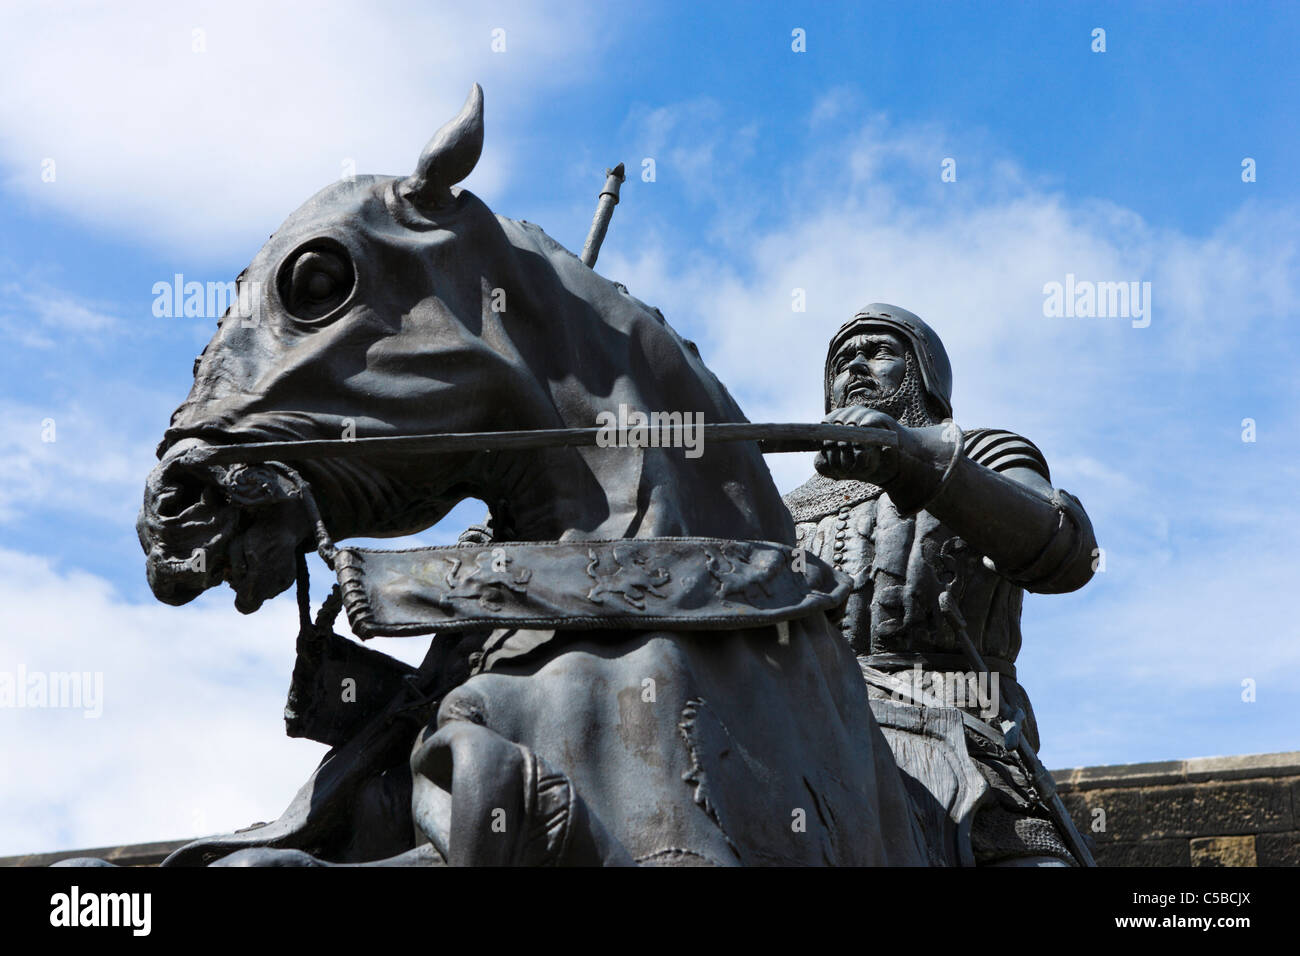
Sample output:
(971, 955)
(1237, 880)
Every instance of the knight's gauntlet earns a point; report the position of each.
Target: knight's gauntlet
(924, 462)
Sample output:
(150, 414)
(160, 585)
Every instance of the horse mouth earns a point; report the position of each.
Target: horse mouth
(201, 525)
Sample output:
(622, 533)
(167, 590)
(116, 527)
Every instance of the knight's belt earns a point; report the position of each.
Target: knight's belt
(638, 583)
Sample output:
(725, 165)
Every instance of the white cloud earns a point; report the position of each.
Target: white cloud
(198, 148)
(188, 740)
(36, 314)
(972, 257)
(93, 466)
(690, 142)
(191, 738)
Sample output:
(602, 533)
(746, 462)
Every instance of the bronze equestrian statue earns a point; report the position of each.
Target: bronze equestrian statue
(634, 661)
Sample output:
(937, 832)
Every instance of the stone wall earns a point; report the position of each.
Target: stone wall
(134, 854)
(1210, 811)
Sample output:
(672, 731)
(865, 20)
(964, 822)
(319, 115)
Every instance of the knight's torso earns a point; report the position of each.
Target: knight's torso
(906, 570)
(901, 567)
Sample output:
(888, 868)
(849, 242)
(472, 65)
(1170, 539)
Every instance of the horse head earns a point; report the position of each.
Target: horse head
(402, 305)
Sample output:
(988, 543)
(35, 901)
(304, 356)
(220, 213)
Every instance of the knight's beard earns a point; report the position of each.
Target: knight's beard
(905, 404)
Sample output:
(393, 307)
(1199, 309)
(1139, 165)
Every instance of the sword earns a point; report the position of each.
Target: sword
(604, 212)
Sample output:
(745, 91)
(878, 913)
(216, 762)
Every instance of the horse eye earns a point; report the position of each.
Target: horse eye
(316, 279)
(320, 285)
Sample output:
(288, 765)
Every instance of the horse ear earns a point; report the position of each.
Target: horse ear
(449, 157)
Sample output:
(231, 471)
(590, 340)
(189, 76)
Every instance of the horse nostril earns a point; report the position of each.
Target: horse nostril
(185, 492)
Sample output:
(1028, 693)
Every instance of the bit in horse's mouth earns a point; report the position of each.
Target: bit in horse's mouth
(200, 525)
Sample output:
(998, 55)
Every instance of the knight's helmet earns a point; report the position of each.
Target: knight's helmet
(936, 372)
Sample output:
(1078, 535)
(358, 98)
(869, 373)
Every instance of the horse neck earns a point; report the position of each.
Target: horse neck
(639, 492)
(618, 492)
(607, 493)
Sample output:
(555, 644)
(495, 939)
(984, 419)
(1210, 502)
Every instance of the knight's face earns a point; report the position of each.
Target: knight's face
(867, 367)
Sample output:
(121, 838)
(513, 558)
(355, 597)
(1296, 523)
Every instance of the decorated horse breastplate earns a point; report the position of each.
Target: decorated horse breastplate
(679, 583)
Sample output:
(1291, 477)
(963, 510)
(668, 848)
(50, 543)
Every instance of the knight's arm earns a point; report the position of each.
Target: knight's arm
(993, 488)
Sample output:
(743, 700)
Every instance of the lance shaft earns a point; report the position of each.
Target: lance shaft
(771, 438)
(604, 212)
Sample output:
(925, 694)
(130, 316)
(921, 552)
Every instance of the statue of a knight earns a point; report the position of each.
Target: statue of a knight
(942, 536)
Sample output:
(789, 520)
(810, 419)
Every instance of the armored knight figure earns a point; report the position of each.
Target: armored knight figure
(942, 534)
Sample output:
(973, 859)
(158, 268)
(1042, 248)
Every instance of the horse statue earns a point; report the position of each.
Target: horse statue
(631, 665)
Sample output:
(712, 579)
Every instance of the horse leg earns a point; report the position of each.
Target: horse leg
(483, 800)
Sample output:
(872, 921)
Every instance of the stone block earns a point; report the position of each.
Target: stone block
(1123, 821)
(1143, 853)
(1278, 849)
(1223, 851)
(1218, 809)
(1244, 767)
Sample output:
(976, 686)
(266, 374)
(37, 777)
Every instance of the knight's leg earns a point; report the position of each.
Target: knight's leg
(468, 794)
(483, 800)
(1011, 829)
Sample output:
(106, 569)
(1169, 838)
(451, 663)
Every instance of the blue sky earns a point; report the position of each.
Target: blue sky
(775, 170)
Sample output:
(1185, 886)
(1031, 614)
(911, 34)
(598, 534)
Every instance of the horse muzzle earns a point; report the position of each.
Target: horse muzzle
(202, 524)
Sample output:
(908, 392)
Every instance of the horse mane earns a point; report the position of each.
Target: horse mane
(645, 359)
(577, 273)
